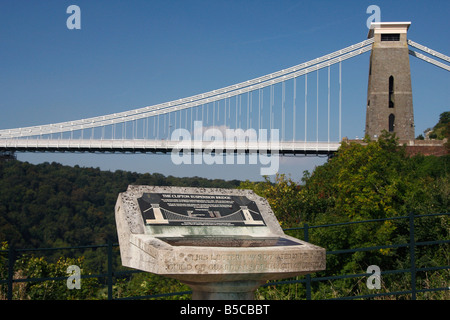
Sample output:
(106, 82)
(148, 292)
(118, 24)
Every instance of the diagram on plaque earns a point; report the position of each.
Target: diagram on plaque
(199, 210)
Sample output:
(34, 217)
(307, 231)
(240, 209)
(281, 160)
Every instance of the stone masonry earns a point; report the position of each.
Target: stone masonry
(389, 95)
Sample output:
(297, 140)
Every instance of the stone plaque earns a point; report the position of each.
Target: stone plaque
(185, 209)
(223, 243)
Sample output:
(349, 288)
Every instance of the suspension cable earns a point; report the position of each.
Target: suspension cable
(429, 60)
(428, 50)
(215, 95)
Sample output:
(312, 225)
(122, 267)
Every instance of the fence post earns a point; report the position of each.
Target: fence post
(412, 245)
(11, 261)
(110, 270)
(308, 276)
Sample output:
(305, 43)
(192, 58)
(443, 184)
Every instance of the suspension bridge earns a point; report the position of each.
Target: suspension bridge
(273, 113)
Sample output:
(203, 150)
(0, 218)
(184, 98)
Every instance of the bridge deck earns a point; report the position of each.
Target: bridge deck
(165, 146)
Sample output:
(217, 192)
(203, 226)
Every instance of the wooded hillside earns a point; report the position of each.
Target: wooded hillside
(51, 205)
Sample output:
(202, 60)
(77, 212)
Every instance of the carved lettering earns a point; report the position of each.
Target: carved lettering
(243, 262)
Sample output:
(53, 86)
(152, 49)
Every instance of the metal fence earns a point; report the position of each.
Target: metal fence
(307, 280)
(412, 270)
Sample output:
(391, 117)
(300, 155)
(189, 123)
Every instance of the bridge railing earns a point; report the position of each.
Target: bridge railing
(112, 273)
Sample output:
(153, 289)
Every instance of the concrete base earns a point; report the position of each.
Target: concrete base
(229, 290)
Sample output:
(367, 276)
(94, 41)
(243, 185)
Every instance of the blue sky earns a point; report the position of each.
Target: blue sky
(131, 54)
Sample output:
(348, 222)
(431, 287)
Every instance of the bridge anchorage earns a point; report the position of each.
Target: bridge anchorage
(277, 113)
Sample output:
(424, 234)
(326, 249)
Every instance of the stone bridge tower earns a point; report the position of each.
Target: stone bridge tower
(389, 94)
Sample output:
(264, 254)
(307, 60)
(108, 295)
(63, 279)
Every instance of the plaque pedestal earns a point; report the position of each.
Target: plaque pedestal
(230, 290)
(222, 243)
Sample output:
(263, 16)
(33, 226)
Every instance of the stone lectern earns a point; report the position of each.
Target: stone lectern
(222, 243)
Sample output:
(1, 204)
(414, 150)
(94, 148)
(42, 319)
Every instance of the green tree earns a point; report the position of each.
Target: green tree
(441, 130)
(145, 284)
(369, 180)
(39, 267)
(282, 195)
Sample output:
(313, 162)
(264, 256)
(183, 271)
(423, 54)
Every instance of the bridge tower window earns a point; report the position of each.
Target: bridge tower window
(391, 92)
(390, 37)
(391, 122)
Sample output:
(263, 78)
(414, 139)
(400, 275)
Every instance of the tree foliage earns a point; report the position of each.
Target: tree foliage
(442, 129)
(367, 181)
(282, 196)
(51, 205)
